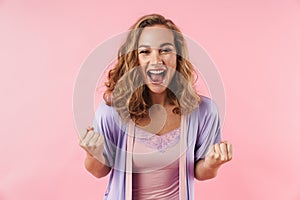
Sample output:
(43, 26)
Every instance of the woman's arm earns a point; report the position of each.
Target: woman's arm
(204, 172)
(95, 167)
(217, 155)
(93, 144)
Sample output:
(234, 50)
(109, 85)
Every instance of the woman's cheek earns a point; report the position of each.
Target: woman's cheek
(170, 61)
(141, 60)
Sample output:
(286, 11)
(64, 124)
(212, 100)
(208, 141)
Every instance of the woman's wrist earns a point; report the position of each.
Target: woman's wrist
(210, 166)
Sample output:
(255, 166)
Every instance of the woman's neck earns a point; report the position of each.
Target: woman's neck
(159, 98)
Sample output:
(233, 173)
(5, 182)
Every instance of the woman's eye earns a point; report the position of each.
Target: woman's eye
(144, 52)
(166, 50)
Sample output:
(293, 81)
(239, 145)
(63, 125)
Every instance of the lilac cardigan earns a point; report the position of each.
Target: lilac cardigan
(202, 128)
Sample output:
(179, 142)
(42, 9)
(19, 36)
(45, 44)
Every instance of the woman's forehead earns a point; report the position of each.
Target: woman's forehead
(156, 36)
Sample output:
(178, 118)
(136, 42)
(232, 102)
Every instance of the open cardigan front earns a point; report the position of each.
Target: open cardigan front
(199, 130)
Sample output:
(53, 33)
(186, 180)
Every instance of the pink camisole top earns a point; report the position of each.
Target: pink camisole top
(155, 165)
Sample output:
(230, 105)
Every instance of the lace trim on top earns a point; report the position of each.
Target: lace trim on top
(158, 142)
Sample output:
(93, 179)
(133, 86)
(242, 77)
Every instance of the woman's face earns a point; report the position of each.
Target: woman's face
(157, 57)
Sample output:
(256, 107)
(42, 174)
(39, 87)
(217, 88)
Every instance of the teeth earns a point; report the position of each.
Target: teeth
(156, 71)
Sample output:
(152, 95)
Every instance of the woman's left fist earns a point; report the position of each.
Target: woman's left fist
(218, 154)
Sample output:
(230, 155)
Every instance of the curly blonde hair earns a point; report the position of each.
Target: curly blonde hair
(125, 88)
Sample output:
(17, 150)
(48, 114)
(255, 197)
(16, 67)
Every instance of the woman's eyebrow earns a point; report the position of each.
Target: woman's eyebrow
(167, 43)
(143, 45)
(164, 44)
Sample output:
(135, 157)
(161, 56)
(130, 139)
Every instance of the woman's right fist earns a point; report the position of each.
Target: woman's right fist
(93, 144)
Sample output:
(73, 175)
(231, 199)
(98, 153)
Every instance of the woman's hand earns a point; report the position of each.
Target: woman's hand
(218, 154)
(93, 144)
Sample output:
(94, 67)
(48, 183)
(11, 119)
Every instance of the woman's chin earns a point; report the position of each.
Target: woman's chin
(156, 89)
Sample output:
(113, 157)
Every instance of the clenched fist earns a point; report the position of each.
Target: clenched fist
(218, 154)
(93, 144)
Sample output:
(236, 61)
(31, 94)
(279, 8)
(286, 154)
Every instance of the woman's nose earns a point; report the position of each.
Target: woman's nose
(155, 57)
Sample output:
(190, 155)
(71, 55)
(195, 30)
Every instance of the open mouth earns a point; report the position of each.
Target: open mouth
(157, 76)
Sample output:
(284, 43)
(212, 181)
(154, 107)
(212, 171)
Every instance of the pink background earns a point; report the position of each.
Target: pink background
(255, 45)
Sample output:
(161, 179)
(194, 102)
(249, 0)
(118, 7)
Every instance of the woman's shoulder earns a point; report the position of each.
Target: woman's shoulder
(108, 121)
(206, 114)
(107, 113)
(207, 106)
(104, 109)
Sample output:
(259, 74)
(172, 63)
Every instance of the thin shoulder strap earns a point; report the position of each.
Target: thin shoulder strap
(129, 151)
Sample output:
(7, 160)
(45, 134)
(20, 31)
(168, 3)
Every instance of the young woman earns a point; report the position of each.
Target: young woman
(154, 134)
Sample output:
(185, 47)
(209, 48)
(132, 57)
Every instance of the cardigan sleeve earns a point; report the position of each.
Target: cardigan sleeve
(209, 131)
(105, 123)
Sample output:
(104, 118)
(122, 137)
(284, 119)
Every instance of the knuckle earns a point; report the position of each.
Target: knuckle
(84, 143)
(91, 145)
(217, 156)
